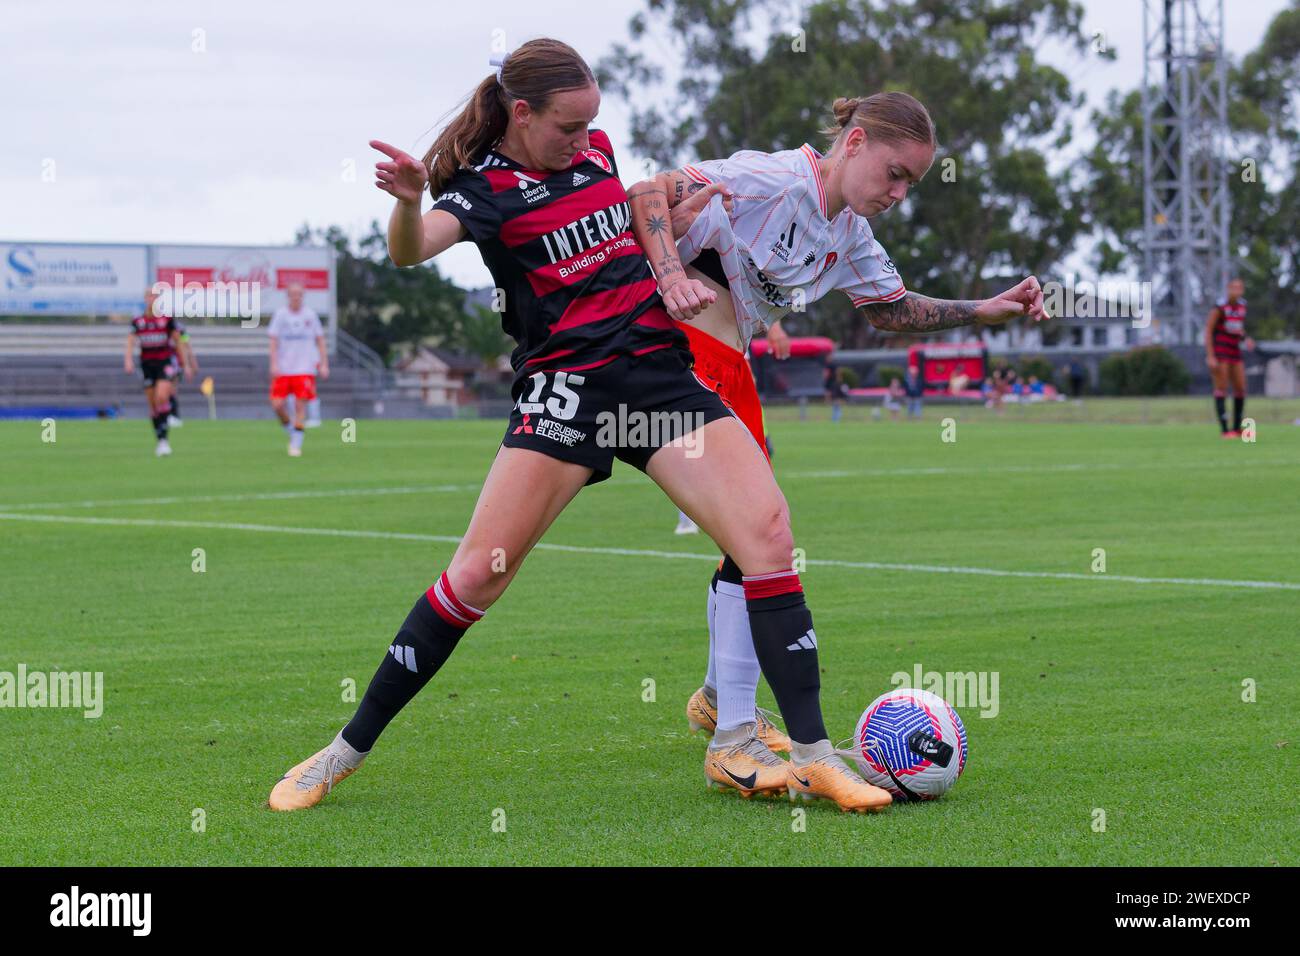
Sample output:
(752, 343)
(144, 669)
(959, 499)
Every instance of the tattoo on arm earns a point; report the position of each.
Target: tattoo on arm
(919, 313)
(678, 190)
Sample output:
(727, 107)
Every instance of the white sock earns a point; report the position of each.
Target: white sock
(295, 438)
(711, 675)
(737, 664)
(288, 427)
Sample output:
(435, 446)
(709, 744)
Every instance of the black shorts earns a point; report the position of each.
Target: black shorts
(627, 409)
(155, 371)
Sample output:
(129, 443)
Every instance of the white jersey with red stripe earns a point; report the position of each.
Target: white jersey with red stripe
(777, 247)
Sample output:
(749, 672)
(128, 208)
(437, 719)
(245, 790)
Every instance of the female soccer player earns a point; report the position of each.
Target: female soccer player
(1225, 333)
(157, 337)
(796, 228)
(517, 173)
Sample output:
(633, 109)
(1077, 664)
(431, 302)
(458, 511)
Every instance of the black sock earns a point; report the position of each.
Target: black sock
(176, 407)
(1222, 412)
(1238, 406)
(729, 571)
(422, 645)
(160, 426)
(786, 647)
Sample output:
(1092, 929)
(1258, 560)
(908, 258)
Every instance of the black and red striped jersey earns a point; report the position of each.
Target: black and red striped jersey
(1230, 329)
(154, 333)
(578, 290)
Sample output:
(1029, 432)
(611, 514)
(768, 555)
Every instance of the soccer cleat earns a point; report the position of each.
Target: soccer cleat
(701, 715)
(685, 525)
(1232, 434)
(174, 422)
(295, 452)
(770, 733)
(748, 767)
(306, 784)
(163, 449)
(831, 779)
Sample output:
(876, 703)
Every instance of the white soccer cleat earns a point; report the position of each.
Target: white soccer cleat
(174, 422)
(685, 525)
(163, 449)
(295, 452)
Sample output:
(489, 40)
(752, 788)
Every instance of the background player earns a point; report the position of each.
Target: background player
(1225, 333)
(156, 336)
(297, 353)
(789, 226)
(183, 358)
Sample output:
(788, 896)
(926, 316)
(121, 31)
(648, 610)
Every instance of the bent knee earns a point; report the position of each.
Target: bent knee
(768, 544)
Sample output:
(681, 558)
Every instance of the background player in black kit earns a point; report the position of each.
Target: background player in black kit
(157, 337)
(517, 173)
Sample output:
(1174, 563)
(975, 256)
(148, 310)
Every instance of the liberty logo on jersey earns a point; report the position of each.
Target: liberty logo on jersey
(533, 189)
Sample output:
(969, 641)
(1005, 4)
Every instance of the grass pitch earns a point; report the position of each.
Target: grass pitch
(1118, 692)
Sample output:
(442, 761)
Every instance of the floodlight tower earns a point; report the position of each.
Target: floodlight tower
(1185, 162)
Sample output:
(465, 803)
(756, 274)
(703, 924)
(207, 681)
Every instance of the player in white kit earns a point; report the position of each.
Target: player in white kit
(297, 354)
(785, 229)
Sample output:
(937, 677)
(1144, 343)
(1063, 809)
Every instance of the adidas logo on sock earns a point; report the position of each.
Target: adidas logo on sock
(579, 179)
(806, 643)
(405, 656)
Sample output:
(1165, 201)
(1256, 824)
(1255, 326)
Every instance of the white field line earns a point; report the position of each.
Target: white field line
(477, 486)
(644, 553)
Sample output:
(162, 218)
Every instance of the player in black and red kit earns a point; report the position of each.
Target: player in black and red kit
(157, 337)
(1225, 334)
(517, 173)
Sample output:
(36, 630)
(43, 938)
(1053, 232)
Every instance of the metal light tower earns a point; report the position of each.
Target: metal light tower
(1185, 162)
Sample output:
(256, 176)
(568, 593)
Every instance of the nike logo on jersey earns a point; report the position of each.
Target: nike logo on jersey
(806, 643)
(405, 655)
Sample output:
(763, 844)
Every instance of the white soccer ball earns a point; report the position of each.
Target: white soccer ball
(912, 743)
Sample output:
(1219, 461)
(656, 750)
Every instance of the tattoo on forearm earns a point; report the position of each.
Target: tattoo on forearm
(678, 191)
(919, 313)
(695, 187)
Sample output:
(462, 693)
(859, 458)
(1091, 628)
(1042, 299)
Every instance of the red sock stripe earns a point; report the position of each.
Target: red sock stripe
(450, 608)
(770, 585)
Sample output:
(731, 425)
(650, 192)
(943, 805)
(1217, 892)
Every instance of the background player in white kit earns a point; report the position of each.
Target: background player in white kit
(297, 353)
(785, 229)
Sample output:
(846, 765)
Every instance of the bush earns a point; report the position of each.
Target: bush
(1151, 370)
(887, 373)
(1037, 365)
(847, 377)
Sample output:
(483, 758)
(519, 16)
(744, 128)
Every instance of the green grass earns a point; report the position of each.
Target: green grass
(1116, 695)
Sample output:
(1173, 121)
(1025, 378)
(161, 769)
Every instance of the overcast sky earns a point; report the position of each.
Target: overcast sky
(114, 128)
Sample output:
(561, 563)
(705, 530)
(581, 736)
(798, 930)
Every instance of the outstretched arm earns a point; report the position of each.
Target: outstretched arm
(920, 314)
(663, 209)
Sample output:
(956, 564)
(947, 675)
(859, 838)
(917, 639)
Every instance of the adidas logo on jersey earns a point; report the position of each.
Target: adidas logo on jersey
(405, 655)
(579, 179)
(806, 643)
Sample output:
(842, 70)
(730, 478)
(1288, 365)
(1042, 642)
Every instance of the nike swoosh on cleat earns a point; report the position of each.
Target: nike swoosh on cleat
(746, 782)
(802, 783)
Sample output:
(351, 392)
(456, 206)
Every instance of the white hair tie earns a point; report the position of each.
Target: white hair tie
(498, 60)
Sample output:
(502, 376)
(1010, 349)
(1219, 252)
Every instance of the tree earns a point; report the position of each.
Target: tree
(993, 206)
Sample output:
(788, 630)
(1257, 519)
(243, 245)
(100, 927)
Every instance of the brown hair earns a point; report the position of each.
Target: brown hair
(889, 117)
(534, 72)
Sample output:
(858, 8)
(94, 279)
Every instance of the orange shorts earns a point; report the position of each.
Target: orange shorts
(302, 387)
(726, 371)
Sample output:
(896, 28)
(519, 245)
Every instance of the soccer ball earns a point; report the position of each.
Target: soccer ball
(912, 743)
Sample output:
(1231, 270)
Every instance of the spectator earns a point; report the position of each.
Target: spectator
(893, 397)
(914, 387)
